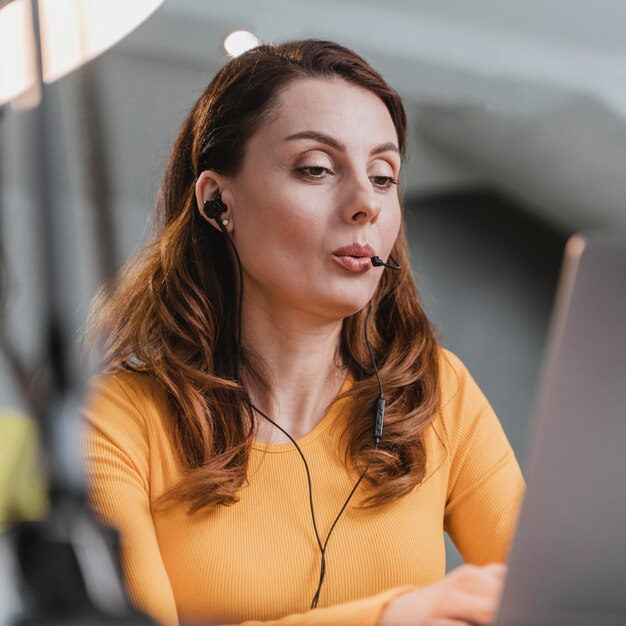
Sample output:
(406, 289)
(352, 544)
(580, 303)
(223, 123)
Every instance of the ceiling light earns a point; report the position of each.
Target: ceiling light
(238, 42)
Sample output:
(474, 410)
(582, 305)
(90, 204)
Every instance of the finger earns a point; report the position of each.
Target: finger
(499, 569)
(485, 583)
(450, 622)
(480, 580)
(479, 609)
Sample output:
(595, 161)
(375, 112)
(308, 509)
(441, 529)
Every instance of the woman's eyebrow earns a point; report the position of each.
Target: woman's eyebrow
(319, 137)
(338, 145)
(385, 147)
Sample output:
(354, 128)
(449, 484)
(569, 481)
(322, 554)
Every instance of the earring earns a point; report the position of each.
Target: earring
(225, 222)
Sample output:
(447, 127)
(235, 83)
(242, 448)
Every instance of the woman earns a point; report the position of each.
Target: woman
(236, 437)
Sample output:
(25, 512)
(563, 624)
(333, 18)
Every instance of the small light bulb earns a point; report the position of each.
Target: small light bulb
(238, 42)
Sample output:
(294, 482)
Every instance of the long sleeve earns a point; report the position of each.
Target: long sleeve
(117, 462)
(364, 612)
(486, 487)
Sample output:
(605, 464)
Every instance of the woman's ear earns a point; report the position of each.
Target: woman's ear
(209, 186)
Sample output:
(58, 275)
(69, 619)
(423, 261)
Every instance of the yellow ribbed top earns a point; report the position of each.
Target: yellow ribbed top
(259, 559)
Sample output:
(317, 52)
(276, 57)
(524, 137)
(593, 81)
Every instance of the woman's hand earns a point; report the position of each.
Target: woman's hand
(467, 595)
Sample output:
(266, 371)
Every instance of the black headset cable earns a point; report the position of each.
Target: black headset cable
(377, 435)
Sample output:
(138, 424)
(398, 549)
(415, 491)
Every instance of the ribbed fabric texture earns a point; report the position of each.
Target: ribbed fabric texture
(258, 559)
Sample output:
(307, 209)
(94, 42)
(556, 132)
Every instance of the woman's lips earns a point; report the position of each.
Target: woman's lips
(355, 257)
(353, 264)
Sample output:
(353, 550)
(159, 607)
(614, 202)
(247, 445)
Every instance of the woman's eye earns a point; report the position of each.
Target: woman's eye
(384, 182)
(314, 171)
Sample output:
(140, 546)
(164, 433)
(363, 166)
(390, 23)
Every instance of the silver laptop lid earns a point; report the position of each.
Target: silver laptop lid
(568, 561)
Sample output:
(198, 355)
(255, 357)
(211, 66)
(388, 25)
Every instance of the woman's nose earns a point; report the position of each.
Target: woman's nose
(362, 205)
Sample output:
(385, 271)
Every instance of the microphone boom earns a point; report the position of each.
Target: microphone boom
(377, 262)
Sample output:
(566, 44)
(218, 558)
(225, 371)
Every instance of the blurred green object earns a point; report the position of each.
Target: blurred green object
(23, 489)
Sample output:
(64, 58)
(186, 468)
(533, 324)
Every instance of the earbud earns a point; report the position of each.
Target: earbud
(214, 208)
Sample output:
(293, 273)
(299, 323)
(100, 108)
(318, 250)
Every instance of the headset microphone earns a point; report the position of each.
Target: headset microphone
(377, 262)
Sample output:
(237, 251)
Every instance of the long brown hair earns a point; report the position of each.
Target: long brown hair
(173, 315)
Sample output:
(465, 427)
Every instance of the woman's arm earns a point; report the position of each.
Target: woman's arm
(486, 486)
(116, 455)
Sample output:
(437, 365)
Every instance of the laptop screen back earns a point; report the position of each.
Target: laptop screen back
(568, 560)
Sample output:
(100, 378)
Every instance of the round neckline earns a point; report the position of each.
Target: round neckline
(315, 432)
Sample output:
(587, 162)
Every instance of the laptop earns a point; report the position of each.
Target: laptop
(567, 565)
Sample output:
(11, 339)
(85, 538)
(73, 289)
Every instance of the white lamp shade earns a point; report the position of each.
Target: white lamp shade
(18, 72)
(72, 33)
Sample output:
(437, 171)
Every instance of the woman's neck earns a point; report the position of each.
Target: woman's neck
(300, 367)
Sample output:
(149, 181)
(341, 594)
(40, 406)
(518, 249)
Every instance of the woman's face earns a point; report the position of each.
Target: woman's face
(316, 178)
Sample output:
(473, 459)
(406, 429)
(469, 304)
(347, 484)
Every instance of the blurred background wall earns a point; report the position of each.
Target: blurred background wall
(518, 139)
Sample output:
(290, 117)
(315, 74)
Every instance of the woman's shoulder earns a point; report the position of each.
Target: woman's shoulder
(454, 377)
(136, 385)
(126, 421)
(463, 405)
(451, 367)
(125, 395)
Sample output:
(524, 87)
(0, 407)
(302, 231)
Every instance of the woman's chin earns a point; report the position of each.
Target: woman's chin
(341, 308)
